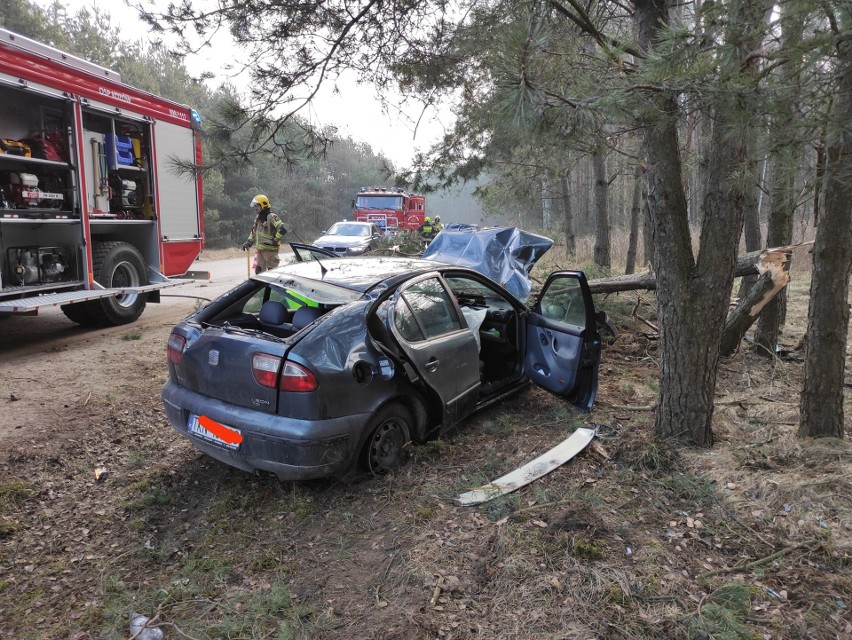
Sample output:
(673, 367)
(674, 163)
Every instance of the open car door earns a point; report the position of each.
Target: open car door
(563, 346)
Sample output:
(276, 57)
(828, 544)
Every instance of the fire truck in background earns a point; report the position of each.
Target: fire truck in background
(390, 209)
(94, 216)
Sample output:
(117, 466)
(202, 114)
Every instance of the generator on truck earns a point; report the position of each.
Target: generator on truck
(95, 216)
(392, 210)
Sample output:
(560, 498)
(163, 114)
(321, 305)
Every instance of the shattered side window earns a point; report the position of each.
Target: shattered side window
(403, 319)
(253, 304)
(431, 305)
(563, 302)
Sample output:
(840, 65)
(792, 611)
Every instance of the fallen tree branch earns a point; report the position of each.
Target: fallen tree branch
(751, 565)
(627, 407)
(639, 318)
(746, 266)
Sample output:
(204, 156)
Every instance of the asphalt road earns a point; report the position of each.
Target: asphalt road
(51, 331)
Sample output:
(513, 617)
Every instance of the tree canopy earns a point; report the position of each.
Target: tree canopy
(310, 190)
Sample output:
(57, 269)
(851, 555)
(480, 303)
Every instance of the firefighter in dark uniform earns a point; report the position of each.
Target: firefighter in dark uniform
(267, 233)
(426, 231)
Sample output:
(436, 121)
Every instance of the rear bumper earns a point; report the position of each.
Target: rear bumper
(291, 449)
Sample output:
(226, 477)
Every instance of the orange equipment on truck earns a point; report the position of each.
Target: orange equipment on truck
(94, 217)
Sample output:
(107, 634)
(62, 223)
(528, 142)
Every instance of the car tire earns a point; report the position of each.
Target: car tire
(388, 440)
(118, 264)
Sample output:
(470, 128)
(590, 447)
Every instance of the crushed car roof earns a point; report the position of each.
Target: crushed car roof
(504, 254)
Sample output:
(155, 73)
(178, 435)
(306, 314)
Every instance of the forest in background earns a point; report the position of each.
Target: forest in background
(312, 194)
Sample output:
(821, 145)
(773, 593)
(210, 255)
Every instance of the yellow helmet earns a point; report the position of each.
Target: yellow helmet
(261, 200)
(426, 219)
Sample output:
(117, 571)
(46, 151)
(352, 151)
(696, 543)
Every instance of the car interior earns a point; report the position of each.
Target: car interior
(276, 318)
(271, 310)
(499, 352)
(488, 314)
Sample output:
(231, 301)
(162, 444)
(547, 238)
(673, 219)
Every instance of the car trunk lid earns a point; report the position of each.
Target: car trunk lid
(219, 364)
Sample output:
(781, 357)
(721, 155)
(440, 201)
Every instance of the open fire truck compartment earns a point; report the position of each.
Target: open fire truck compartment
(94, 215)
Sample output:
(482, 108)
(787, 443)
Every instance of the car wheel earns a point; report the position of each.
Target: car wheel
(390, 433)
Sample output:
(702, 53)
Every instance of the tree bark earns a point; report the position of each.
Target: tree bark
(828, 315)
(635, 209)
(692, 295)
(546, 204)
(687, 377)
(785, 163)
(568, 217)
(602, 240)
(648, 246)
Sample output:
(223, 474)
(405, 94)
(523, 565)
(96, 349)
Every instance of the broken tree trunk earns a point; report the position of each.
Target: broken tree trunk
(774, 268)
(746, 265)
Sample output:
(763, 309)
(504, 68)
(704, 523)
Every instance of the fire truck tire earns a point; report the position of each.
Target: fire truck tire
(118, 264)
(79, 313)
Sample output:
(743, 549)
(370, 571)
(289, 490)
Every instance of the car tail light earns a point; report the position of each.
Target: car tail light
(295, 377)
(265, 368)
(175, 348)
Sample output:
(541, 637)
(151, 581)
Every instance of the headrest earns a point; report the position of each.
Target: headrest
(305, 316)
(273, 312)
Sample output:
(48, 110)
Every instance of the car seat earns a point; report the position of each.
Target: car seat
(305, 316)
(274, 317)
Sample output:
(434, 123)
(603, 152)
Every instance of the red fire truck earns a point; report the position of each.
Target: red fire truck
(95, 215)
(390, 209)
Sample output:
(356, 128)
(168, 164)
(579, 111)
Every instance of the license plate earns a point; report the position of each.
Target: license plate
(215, 432)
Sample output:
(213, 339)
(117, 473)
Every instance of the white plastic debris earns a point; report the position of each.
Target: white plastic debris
(139, 631)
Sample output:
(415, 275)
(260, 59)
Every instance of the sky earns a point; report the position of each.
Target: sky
(354, 110)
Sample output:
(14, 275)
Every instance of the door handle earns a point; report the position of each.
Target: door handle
(432, 365)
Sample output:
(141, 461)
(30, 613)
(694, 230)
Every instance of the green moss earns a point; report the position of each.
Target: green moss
(583, 547)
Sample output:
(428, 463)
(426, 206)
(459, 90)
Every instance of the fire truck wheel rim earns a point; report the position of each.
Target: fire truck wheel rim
(125, 275)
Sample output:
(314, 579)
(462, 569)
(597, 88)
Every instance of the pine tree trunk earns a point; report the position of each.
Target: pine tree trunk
(635, 209)
(828, 315)
(602, 240)
(692, 296)
(751, 224)
(687, 377)
(785, 165)
(568, 218)
(648, 246)
(546, 205)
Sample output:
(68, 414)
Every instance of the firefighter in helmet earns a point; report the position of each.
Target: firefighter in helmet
(426, 231)
(437, 226)
(266, 233)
